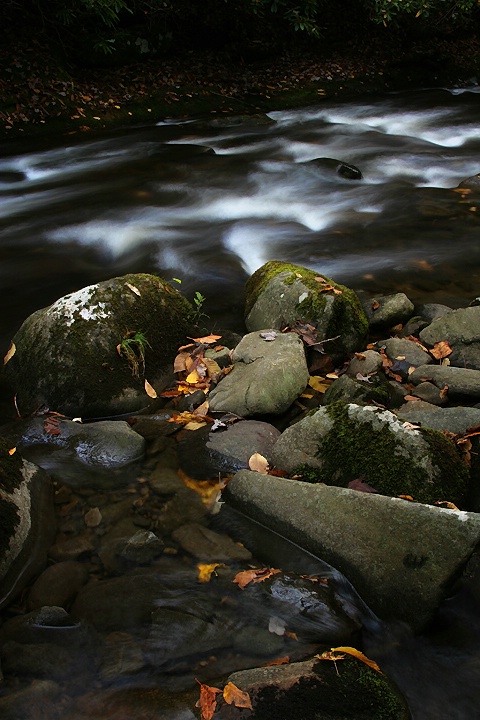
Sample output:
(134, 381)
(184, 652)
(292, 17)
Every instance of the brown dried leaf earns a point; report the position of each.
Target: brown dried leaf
(12, 451)
(375, 305)
(207, 702)
(361, 486)
(179, 364)
(50, 425)
(234, 696)
(444, 392)
(245, 577)
(446, 504)
(213, 368)
(10, 353)
(207, 339)
(441, 350)
(151, 392)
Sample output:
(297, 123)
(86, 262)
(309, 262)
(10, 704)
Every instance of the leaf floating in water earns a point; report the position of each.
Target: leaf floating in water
(150, 390)
(10, 353)
(245, 577)
(206, 570)
(233, 695)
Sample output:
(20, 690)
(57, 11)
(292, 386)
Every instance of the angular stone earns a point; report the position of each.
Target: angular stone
(266, 377)
(392, 309)
(365, 363)
(462, 382)
(461, 329)
(374, 540)
(209, 546)
(428, 392)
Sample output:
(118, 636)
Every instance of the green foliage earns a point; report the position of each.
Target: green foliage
(388, 11)
(133, 347)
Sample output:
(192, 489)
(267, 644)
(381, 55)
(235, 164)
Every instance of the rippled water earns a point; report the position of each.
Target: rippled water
(209, 205)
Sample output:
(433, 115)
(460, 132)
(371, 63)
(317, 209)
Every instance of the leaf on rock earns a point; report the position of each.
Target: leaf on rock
(207, 339)
(408, 498)
(134, 289)
(10, 353)
(446, 504)
(207, 702)
(318, 383)
(245, 577)
(205, 571)
(234, 696)
(193, 377)
(411, 398)
(180, 363)
(202, 409)
(258, 463)
(151, 392)
(441, 350)
(359, 655)
(50, 425)
(375, 305)
(444, 392)
(361, 486)
(213, 368)
(269, 336)
(410, 426)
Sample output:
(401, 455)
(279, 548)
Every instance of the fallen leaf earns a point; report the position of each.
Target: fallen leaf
(258, 463)
(213, 368)
(375, 305)
(179, 364)
(245, 577)
(363, 378)
(207, 339)
(12, 451)
(446, 504)
(269, 336)
(234, 696)
(278, 661)
(445, 361)
(361, 486)
(329, 655)
(207, 702)
(10, 353)
(441, 350)
(50, 425)
(444, 392)
(410, 426)
(205, 571)
(409, 498)
(318, 383)
(202, 409)
(194, 425)
(359, 655)
(151, 392)
(411, 398)
(193, 377)
(133, 289)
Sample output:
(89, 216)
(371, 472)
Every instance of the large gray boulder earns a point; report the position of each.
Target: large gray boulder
(341, 443)
(267, 376)
(400, 556)
(279, 293)
(27, 522)
(454, 419)
(66, 355)
(462, 383)
(461, 329)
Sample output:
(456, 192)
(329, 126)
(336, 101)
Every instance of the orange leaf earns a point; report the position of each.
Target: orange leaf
(278, 661)
(207, 702)
(359, 655)
(375, 305)
(207, 339)
(50, 425)
(180, 362)
(245, 577)
(406, 497)
(12, 451)
(233, 695)
(441, 350)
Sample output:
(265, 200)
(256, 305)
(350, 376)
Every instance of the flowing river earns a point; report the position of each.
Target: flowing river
(210, 202)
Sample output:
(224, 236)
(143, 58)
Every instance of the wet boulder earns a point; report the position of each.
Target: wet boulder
(27, 522)
(343, 169)
(346, 689)
(279, 293)
(90, 353)
(399, 556)
(342, 443)
(269, 373)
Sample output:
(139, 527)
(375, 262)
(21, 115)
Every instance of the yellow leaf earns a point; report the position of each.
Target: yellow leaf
(205, 571)
(193, 378)
(133, 289)
(318, 383)
(12, 451)
(9, 354)
(359, 655)
(213, 368)
(233, 695)
(194, 425)
(150, 390)
(258, 463)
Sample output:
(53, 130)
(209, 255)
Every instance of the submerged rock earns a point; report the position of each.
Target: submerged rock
(375, 541)
(342, 443)
(66, 355)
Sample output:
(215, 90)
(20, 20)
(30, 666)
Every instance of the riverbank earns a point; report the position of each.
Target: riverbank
(41, 95)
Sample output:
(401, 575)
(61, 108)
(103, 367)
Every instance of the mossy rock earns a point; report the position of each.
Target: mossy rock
(345, 442)
(66, 355)
(280, 293)
(346, 689)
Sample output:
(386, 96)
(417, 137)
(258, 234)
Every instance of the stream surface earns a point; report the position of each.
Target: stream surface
(74, 211)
